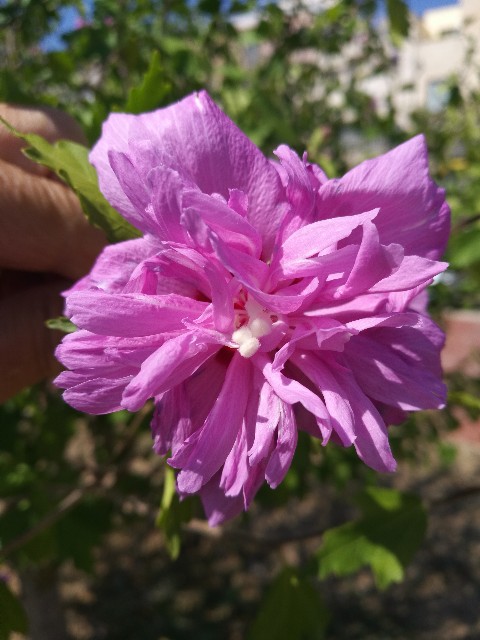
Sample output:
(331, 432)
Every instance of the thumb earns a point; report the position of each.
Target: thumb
(43, 226)
(26, 344)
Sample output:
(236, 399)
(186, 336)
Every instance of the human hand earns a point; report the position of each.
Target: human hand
(45, 244)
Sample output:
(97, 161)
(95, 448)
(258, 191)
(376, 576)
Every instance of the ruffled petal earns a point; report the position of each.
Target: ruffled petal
(291, 391)
(217, 506)
(371, 441)
(313, 239)
(171, 422)
(398, 367)
(208, 452)
(115, 131)
(282, 455)
(233, 228)
(92, 395)
(341, 414)
(413, 211)
(267, 418)
(130, 314)
(176, 360)
(213, 153)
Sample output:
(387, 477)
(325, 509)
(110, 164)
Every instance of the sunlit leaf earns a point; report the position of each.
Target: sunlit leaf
(61, 324)
(172, 514)
(69, 161)
(152, 91)
(385, 538)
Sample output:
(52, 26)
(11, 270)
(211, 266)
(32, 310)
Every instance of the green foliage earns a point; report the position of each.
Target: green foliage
(466, 400)
(138, 56)
(185, 46)
(464, 249)
(152, 91)
(51, 513)
(61, 324)
(172, 514)
(292, 610)
(384, 538)
(82, 529)
(69, 161)
(453, 137)
(399, 20)
(12, 614)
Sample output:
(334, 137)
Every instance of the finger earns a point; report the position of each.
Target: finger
(26, 345)
(47, 122)
(42, 226)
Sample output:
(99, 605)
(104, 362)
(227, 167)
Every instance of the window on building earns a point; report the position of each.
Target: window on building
(438, 95)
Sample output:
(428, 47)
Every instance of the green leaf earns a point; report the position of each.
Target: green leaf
(385, 538)
(61, 324)
(69, 161)
(209, 6)
(464, 249)
(292, 610)
(465, 399)
(172, 514)
(12, 615)
(399, 20)
(152, 91)
(82, 529)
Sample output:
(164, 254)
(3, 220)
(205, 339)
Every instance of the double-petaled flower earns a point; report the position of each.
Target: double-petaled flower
(263, 298)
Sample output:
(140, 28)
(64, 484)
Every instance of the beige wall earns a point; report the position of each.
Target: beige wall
(436, 50)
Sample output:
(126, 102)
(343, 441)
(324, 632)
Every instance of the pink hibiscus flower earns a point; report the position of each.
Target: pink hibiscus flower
(262, 299)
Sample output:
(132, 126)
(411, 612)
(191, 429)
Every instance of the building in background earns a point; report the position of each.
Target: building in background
(444, 43)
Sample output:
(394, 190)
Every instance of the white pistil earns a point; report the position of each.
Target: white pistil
(241, 335)
(247, 336)
(260, 326)
(249, 348)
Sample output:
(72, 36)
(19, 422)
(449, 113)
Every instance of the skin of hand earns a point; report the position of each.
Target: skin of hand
(45, 244)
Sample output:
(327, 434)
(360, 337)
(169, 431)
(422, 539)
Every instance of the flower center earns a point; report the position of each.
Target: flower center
(253, 323)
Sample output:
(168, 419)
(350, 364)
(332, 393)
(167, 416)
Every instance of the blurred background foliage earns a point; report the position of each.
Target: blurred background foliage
(289, 75)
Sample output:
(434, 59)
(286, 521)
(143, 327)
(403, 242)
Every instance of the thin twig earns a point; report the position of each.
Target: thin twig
(465, 492)
(63, 507)
(67, 503)
(465, 222)
(201, 528)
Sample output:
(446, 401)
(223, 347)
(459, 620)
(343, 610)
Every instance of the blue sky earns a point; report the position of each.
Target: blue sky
(69, 16)
(419, 6)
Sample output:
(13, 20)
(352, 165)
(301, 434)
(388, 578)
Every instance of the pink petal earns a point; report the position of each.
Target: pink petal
(371, 442)
(93, 395)
(171, 423)
(299, 190)
(115, 131)
(171, 364)
(130, 314)
(268, 416)
(212, 151)
(398, 367)
(314, 238)
(412, 209)
(341, 414)
(231, 227)
(133, 186)
(236, 468)
(217, 436)
(282, 455)
(219, 507)
(291, 391)
(373, 263)
(412, 272)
